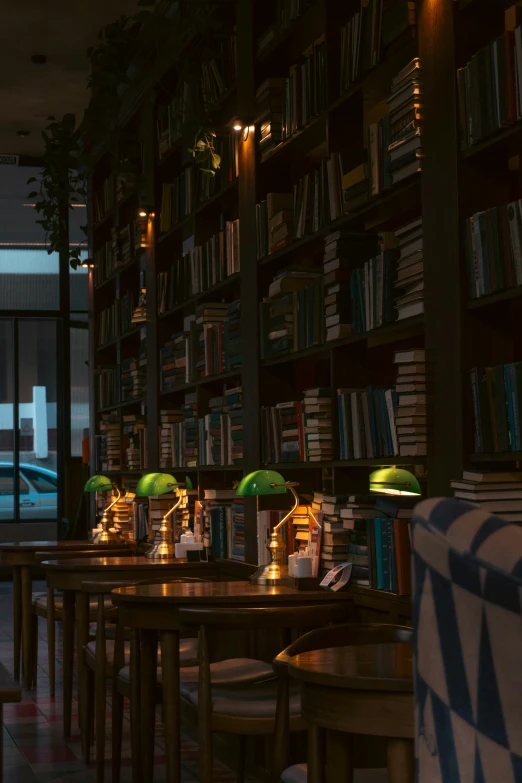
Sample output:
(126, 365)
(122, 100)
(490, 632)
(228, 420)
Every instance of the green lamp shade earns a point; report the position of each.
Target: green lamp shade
(98, 484)
(154, 484)
(260, 483)
(394, 481)
(188, 483)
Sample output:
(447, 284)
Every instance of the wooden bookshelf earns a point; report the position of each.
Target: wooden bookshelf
(457, 332)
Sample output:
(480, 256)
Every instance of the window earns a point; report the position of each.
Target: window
(43, 483)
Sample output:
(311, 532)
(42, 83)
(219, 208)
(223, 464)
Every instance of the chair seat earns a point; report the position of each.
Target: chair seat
(233, 672)
(299, 774)
(254, 701)
(188, 652)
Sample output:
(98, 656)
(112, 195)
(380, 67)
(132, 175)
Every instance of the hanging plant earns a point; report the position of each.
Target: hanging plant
(204, 152)
(60, 186)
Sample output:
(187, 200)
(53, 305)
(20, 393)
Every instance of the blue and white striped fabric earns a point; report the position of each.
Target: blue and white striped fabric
(467, 612)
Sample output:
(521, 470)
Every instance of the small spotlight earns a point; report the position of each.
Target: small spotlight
(238, 127)
(142, 213)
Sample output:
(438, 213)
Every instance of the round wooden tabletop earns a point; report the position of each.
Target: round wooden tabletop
(225, 592)
(123, 563)
(382, 667)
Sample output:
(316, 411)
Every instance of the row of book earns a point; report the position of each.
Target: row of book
(494, 492)
(135, 441)
(177, 199)
(115, 320)
(377, 26)
(497, 403)
(287, 11)
(221, 430)
(133, 377)
(108, 443)
(371, 532)
(493, 245)
(200, 268)
(490, 88)
(298, 431)
(114, 254)
(218, 74)
(104, 198)
(219, 523)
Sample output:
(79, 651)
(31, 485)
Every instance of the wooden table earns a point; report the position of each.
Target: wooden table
(365, 689)
(68, 575)
(153, 609)
(21, 557)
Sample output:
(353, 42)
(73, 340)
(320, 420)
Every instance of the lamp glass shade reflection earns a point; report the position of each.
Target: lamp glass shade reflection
(394, 481)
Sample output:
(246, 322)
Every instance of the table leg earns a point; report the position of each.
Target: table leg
(148, 666)
(82, 637)
(401, 764)
(17, 619)
(135, 706)
(27, 641)
(51, 641)
(339, 757)
(171, 712)
(316, 765)
(68, 662)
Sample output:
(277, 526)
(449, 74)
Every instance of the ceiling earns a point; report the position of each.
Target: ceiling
(62, 30)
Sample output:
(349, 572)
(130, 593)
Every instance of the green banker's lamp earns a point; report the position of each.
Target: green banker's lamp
(269, 482)
(394, 481)
(102, 484)
(159, 484)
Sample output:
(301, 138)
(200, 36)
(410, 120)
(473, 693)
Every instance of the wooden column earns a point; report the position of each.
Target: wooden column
(441, 229)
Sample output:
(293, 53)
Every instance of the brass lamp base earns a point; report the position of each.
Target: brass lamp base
(108, 537)
(271, 574)
(162, 550)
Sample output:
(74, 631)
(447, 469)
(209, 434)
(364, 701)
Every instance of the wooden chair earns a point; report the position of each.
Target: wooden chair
(49, 606)
(243, 708)
(10, 692)
(346, 635)
(100, 659)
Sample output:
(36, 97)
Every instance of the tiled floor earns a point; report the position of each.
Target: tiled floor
(34, 748)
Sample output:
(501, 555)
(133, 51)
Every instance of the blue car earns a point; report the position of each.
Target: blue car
(38, 492)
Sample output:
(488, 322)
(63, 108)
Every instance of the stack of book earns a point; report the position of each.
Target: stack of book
(173, 362)
(108, 443)
(121, 512)
(232, 352)
(234, 407)
(411, 421)
(268, 113)
(334, 539)
(410, 271)
(290, 317)
(282, 433)
(318, 424)
(187, 450)
(115, 320)
(305, 91)
(205, 352)
(493, 244)
(489, 88)
(495, 492)
(236, 541)
(104, 199)
(177, 199)
(344, 253)
(169, 419)
(108, 386)
(279, 221)
(135, 435)
(497, 402)
(404, 140)
(158, 507)
(367, 423)
(132, 379)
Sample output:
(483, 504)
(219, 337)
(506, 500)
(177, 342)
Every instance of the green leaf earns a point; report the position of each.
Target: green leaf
(33, 194)
(31, 179)
(208, 172)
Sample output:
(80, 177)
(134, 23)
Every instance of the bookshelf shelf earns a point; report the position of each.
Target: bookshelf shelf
(493, 299)
(216, 198)
(108, 217)
(509, 456)
(120, 405)
(301, 142)
(354, 463)
(116, 274)
(228, 282)
(384, 334)
(178, 228)
(224, 376)
(117, 340)
(502, 144)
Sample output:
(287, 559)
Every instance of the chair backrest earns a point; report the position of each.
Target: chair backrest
(467, 600)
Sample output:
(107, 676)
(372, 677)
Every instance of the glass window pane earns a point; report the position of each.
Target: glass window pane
(6, 420)
(79, 388)
(79, 287)
(29, 279)
(38, 387)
